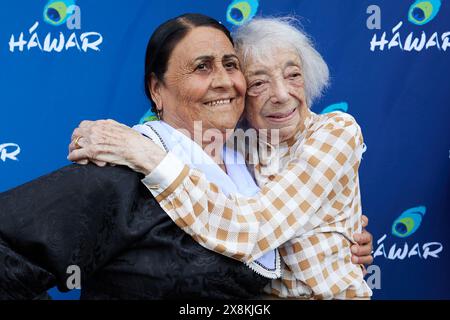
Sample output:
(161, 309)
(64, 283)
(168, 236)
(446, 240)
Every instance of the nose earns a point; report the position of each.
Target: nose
(221, 79)
(279, 92)
(53, 14)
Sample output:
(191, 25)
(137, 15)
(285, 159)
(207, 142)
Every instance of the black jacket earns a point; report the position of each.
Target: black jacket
(106, 222)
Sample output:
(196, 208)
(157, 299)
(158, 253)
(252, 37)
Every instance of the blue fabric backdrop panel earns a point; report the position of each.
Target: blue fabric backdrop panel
(389, 64)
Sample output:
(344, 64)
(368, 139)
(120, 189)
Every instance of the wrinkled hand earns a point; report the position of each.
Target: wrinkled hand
(362, 251)
(109, 142)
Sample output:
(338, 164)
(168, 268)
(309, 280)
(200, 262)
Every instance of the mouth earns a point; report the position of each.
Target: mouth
(281, 116)
(219, 102)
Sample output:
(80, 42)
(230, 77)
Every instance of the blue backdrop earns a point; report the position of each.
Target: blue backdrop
(389, 63)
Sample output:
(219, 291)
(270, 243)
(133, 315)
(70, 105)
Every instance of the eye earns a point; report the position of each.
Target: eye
(204, 65)
(232, 65)
(201, 67)
(56, 12)
(295, 75)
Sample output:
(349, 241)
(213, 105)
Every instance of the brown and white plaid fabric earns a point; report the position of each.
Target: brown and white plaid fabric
(309, 207)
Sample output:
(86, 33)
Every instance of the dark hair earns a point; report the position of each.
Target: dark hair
(166, 37)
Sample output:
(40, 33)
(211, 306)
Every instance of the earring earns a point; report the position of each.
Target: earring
(159, 113)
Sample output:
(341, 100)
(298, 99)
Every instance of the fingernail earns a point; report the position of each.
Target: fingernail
(354, 249)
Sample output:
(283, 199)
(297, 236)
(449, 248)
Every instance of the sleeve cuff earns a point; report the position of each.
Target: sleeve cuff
(166, 177)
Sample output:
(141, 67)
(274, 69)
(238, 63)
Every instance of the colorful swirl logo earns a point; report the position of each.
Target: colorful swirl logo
(421, 12)
(56, 12)
(9, 151)
(341, 106)
(408, 222)
(239, 12)
(148, 116)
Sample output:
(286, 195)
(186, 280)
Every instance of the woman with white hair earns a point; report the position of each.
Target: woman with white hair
(309, 203)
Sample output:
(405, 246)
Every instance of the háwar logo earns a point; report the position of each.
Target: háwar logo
(403, 227)
(56, 13)
(9, 151)
(408, 222)
(420, 13)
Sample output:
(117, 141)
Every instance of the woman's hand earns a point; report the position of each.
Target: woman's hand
(362, 251)
(109, 142)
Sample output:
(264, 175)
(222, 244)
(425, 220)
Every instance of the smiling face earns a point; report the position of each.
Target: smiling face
(203, 82)
(276, 93)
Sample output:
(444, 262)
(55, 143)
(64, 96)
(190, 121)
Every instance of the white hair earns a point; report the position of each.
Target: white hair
(259, 37)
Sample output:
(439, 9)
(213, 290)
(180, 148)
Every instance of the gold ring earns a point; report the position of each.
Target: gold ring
(76, 142)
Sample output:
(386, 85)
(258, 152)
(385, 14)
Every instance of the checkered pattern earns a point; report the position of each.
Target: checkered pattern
(308, 207)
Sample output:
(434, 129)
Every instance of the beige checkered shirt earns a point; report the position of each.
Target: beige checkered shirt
(309, 207)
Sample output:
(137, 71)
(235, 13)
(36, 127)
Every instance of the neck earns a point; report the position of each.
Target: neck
(305, 113)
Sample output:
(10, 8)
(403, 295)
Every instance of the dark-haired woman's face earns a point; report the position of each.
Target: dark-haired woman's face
(203, 82)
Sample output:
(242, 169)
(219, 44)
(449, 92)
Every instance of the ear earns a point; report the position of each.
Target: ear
(155, 86)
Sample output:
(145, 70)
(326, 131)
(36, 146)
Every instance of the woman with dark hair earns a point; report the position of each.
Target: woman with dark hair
(104, 220)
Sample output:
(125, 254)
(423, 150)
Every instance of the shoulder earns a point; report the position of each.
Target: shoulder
(334, 132)
(338, 120)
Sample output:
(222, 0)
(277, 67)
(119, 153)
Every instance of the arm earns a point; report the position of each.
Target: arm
(245, 228)
(78, 215)
(106, 141)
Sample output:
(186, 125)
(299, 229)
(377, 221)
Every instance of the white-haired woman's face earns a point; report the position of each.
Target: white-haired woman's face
(276, 93)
